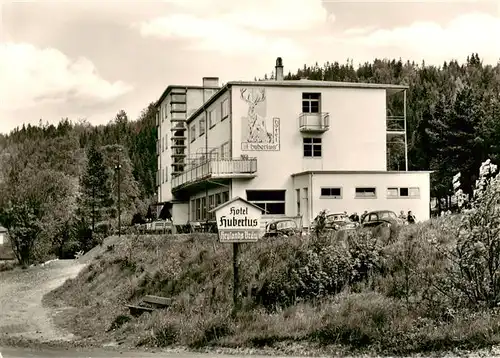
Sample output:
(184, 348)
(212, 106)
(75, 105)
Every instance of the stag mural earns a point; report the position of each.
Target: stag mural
(257, 128)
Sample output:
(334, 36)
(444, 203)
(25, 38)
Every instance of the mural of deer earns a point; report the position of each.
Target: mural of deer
(257, 131)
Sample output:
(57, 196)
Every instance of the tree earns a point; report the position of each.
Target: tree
(95, 186)
(30, 215)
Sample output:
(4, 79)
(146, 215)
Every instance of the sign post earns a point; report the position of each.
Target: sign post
(238, 221)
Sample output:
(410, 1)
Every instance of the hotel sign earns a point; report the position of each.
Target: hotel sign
(238, 221)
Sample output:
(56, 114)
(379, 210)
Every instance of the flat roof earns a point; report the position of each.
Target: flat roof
(390, 88)
(307, 172)
(171, 87)
(313, 83)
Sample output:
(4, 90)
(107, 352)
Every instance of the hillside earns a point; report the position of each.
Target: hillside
(59, 183)
(360, 292)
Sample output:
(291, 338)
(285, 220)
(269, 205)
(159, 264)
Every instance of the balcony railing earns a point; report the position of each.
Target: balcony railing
(314, 122)
(213, 169)
(396, 124)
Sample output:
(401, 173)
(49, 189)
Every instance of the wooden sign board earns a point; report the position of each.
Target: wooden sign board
(238, 221)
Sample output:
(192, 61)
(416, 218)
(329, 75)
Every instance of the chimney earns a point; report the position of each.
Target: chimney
(210, 81)
(279, 69)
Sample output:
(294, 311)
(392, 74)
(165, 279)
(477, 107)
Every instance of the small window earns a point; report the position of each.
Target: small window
(334, 193)
(163, 144)
(225, 197)
(212, 118)
(202, 125)
(403, 192)
(365, 193)
(311, 102)
(166, 142)
(414, 192)
(392, 192)
(166, 174)
(224, 109)
(193, 132)
(312, 147)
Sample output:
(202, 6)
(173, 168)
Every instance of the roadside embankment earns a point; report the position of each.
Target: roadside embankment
(300, 294)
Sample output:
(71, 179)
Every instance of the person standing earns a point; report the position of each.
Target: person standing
(411, 218)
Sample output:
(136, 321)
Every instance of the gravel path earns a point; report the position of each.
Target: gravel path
(21, 292)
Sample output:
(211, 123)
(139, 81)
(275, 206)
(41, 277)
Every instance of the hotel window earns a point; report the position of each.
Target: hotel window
(225, 197)
(162, 176)
(192, 133)
(166, 142)
(202, 125)
(166, 174)
(224, 152)
(211, 205)
(212, 118)
(366, 193)
(163, 144)
(203, 208)
(198, 209)
(392, 192)
(403, 192)
(331, 193)
(224, 109)
(312, 147)
(311, 102)
(193, 210)
(272, 201)
(414, 192)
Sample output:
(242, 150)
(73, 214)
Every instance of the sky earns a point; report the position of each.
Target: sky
(86, 60)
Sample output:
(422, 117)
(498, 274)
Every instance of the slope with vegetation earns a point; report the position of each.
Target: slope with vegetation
(426, 287)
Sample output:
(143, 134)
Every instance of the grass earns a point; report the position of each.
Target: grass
(378, 293)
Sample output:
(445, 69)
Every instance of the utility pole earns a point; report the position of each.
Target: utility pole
(118, 167)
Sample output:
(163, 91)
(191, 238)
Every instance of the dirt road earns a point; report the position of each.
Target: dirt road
(21, 310)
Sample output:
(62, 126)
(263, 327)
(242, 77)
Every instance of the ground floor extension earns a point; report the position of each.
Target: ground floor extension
(305, 194)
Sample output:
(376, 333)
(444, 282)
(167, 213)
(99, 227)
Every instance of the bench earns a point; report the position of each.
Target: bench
(149, 303)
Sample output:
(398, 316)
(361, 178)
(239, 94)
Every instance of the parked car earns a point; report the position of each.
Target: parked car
(287, 227)
(381, 217)
(157, 227)
(338, 222)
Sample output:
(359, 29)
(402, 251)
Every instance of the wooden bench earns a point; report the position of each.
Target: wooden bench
(149, 304)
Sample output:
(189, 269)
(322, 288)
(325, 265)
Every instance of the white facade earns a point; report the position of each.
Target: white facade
(176, 104)
(295, 148)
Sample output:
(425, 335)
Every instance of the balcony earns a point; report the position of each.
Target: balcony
(314, 122)
(180, 126)
(216, 169)
(396, 124)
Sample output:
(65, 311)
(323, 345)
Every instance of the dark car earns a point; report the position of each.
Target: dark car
(286, 227)
(381, 217)
(338, 222)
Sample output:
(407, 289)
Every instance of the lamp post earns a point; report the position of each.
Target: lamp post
(118, 167)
